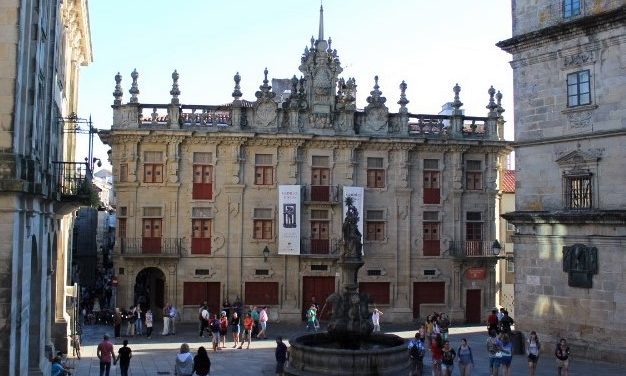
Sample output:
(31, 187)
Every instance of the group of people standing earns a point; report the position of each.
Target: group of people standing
(137, 320)
(253, 324)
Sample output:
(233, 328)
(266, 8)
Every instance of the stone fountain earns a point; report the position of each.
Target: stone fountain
(348, 347)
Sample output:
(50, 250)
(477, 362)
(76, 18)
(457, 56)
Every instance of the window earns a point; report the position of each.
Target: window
(431, 246)
(153, 167)
(473, 234)
(510, 266)
(431, 181)
(263, 169)
(375, 173)
(375, 225)
(121, 223)
(578, 88)
(578, 191)
(263, 224)
(319, 232)
(571, 8)
(201, 236)
(378, 291)
(123, 172)
(202, 176)
(320, 179)
(474, 175)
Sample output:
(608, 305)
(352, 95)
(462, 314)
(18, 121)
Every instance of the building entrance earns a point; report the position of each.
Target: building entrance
(319, 288)
(149, 290)
(472, 306)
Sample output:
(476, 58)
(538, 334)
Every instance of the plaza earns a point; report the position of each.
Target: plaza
(155, 356)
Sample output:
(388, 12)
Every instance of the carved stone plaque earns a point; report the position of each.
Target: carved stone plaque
(581, 263)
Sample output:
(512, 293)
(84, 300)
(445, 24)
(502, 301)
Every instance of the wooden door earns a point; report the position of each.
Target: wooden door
(319, 237)
(151, 237)
(320, 288)
(427, 293)
(473, 306)
(320, 181)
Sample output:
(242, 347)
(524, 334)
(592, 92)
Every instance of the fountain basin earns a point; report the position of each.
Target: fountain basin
(317, 354)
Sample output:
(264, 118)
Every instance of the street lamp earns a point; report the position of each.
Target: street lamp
(266, 253)
(496, 247)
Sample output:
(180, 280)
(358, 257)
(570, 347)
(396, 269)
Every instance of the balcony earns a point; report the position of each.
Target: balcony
(321, 194)
(150, 247)
(321, 248)
(72, 181)
(472, 249)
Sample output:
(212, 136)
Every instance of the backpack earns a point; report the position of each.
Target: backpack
(416, 352)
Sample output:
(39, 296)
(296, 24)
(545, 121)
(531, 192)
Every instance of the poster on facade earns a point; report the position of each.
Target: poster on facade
(357, 198)
(289, 220)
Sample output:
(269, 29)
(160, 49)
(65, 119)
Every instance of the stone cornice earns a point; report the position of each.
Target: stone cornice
(567, 217)
(569, 138)
(571, 29)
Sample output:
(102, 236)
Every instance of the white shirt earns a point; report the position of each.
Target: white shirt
(376, 317)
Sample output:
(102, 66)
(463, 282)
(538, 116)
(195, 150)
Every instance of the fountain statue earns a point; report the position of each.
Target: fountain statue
(348, 347)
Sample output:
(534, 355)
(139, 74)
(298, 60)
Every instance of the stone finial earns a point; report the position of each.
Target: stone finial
(499, 109)
(320, 34)
(376, 95)
(175, 92)
(117, 93)
(134, 88)
(492, 104)
(341, 83)
(403, 101)
(294, 86)
(301, 87)
(265, 89)
(312, 42)
(350, 91)
(457, 100)
(237, 91)
(330, 42)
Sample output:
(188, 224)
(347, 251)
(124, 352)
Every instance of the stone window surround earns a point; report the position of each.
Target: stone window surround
(383, 219)
(271, 218)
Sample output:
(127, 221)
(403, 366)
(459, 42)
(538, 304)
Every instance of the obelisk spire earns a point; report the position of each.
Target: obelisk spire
(320, 35)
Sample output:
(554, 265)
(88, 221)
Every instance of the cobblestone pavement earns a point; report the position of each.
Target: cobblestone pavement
(155, 356)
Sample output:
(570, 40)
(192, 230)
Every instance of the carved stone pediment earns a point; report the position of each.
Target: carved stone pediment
(579, 158)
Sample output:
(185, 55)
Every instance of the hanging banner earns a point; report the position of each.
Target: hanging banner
(357, 200)
(289, 220)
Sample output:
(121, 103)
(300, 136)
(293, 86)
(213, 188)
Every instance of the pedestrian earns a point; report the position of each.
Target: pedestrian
(466, 359)
(263, 318)
(166, 320)
(149, 323)
(183, 365)
(173, 312)
(436, 354)
(422, 332)
(203, 318)
(532, 350)
(248, 324)
(376, 319)
(138, 321)
(493, 349)
(223, 328)
(123, 357)
(447, 359)
(311, 316)
(255, 316)
(507, 354)
(429, 329)
(106, 354)
(235, 328)
(444, 325)
(492, 321)
(58, 368)
(130, 326)
(281, 356)
(505, 323)
(562, 354)
(117, 322)
(201, 362)
(416, 355)
(214, 325)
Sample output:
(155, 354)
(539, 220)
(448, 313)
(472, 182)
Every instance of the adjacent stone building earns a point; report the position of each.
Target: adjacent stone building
(569, 64)
(200, 217)
(42, 46)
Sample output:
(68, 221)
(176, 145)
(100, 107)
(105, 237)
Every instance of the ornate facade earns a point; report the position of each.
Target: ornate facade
(42, 46)
(568, 64)
(197, 196)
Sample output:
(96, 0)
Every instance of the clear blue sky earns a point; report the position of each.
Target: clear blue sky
(430, 44)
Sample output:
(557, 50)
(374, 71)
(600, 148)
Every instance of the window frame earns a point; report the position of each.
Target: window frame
(123, 172)
(568, 199)
(202, 190)
(263, 172)
(569, 10)
(265, 222)
(578, 84)
(153, 168)
(201, 244)
(375, 176)
(374, 226)
(475, 176)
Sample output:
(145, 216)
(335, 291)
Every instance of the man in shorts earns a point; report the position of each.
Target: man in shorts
(562, 357)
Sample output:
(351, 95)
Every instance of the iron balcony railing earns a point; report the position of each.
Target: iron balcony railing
(151, 247)
(72, 179)
(322, 194)
(472, 248)
(320, 247)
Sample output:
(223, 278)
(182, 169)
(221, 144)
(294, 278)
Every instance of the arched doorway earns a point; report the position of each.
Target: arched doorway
(149, 290)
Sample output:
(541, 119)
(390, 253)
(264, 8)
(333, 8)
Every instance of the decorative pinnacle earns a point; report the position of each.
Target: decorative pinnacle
(175, 92)
(320, 35)
(492, 104)
(117, 93)
(294, 85)
(457, 101)
(134, 88)
(237, 92)
(499, 110)
(403, 101)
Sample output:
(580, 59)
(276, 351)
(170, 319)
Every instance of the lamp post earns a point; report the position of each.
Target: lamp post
(496, 248)
(266, 253)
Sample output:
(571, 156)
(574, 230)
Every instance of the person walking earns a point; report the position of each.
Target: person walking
(117, 323)
(214, 325)
(166, 320)
(149, 323)
(203, 317)
(416, 355)
(173, 312)
(505, 322)
(532, 350)
(123, 357)
(183, 366)
(255, 316)
(447, 359)
(466, 359)
(263, 318)
(130, 326)
(507, 353)
(562, 354)
(311, 316)
(493, 349)
(376, 319)
(235, 328)
(444, 325)
(138, 320)
(248, 324)
(436, 355)
(223, 328)
(492, 321)
(106, 354)
(201, 362)
(281, 356)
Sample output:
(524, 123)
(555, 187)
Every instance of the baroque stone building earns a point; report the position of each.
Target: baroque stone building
(200, 217)
(42, 46)
(569, 60)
